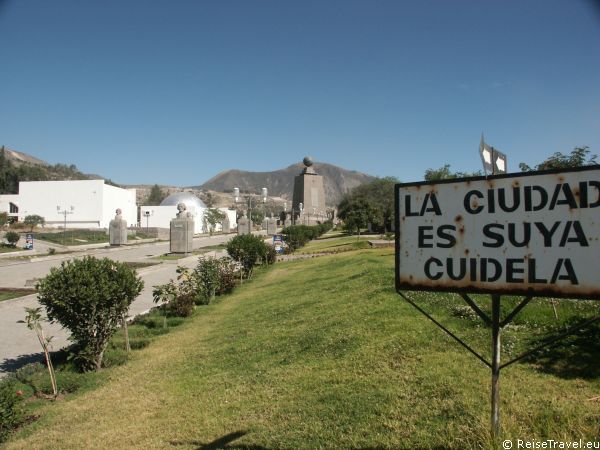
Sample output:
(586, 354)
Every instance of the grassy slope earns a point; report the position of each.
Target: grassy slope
(313, 354)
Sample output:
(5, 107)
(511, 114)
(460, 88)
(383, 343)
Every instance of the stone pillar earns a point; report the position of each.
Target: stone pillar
(272, 226)
(182, 231)
(242, 225)
(117, 230)
(225, 225)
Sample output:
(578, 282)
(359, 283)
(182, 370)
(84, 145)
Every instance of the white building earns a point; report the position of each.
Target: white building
(87, 203)
(161, 216)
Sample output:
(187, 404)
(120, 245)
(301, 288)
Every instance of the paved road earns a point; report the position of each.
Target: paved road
(18, 345)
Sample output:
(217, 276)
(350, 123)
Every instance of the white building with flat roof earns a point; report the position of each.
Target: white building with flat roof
(87, 203)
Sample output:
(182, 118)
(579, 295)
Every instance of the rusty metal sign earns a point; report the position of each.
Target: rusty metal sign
(535, 233)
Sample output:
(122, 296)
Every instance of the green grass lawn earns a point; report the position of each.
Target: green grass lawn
(323, 353)
(333, 245)
(7, 294)
(74, 237)
(9, 249)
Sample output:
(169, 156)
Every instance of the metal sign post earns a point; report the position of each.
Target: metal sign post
(533, 234)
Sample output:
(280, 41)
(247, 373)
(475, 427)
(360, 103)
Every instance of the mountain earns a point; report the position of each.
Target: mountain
(18, 166)
(280, 183)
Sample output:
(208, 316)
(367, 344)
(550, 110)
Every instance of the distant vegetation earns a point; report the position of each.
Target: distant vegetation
(11, 174)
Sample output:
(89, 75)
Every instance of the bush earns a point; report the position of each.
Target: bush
(179, 299)
(89, 297)
(297, 236)
(228, 277)
(247, 250)
(208, 278)
(12, 237)
(11, 408)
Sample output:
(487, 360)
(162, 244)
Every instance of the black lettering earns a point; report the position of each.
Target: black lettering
(569, 198)
(423, 236)
(531, 273)
(473, 268)
(547, 233)
(487, 231)
(491, 201)
(529, 206)
(512, 270)
(516, 199)
(442, 234)
(435, 207)
(579, 234)
(526, 234)
(462, 268)
(428, 273)
(569, 276)
(484, 271)
(597, 186)
(472, 209)
(407, 207)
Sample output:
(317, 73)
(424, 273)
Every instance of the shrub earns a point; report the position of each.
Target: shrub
(228, 276)
(247, 250)
(89, 297)
(11, 408)
(179, 298)
(296, 236)
(207, 276)
(12, 237)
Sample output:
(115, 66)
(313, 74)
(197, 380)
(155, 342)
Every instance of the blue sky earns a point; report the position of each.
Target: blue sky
(173, 92)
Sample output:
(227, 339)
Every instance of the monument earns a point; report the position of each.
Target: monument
(225, 225)
(308, 204)
(117, 229)
(271, 226)
(182, 231)
(243, 225)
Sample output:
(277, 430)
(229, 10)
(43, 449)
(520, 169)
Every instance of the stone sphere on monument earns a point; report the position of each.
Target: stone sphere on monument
(308, 161)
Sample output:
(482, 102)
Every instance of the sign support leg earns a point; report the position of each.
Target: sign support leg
(495, 366)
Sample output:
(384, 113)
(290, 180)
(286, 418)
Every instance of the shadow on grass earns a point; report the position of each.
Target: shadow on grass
(222, 443)
(58, 357)
(12, 364)
(226, 443)
(575, 356)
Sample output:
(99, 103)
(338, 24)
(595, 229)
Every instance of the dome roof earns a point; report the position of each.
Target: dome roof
(188, 198)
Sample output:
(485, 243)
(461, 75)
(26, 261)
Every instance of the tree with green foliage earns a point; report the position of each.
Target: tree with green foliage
(247, 250)
(33, 221)
(12, 237)
(3, 218)
(580, 156)
(371, 202)
(89, 297)
(33, 320)
(444, 173)
(212, 216)
(357, 213)
(156, 196)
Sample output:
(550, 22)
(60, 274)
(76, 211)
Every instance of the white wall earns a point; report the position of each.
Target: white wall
(91, 203)
(113, 198)
(160, 217)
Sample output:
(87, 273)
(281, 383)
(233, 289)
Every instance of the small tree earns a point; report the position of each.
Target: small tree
(12, 237)
(247, 249)
(89, 297)
(33, 320)
(156, 196)
(3, 218)
(33, 221)
(208, 276)
(212, 217)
